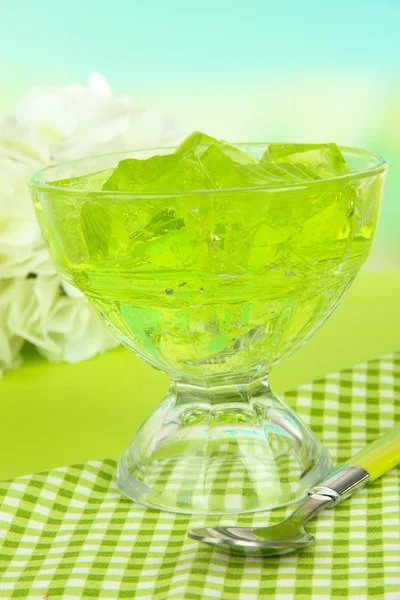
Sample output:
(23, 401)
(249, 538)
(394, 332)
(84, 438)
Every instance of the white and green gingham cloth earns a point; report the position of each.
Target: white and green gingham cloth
(68, 534)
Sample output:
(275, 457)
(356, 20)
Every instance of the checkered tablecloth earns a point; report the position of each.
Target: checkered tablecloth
(69, 534)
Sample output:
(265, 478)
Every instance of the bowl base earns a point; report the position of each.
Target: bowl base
(247, 453)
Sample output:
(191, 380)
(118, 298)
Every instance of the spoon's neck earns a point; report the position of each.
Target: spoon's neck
(310, 508)
(337, 487)
(341, 484)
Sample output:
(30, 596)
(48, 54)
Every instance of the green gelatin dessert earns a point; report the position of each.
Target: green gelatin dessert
(213, 262)
(204, 281)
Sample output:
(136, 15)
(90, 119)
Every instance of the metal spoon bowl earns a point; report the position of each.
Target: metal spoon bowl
(285, 537)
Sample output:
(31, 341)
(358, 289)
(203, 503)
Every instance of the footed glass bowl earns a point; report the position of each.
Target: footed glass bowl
(215, 288)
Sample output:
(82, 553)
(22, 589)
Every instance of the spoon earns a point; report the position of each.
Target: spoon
(289, 535)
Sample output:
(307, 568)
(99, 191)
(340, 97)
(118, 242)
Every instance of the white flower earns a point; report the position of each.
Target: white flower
(21, 152)
(61, 327)
(10, 343)
(53, 125)
(79, 121)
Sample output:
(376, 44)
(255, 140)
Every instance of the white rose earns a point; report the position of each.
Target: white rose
(53, 125)
(63, 328)
(10, 343)
(80, 121)
(21, 152)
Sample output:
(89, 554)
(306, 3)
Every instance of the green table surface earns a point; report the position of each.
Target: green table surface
(53, 415)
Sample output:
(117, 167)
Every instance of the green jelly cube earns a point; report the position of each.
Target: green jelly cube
(93, 182)
(225, 173)
(165, 173)
(197, 143)
(188, 174)
(221, 169)
(63, 215)
(307, 161)
(134, 175)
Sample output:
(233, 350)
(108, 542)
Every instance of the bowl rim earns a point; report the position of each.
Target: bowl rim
(381, 165)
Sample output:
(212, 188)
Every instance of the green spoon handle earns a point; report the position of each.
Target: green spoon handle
(380, 456)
